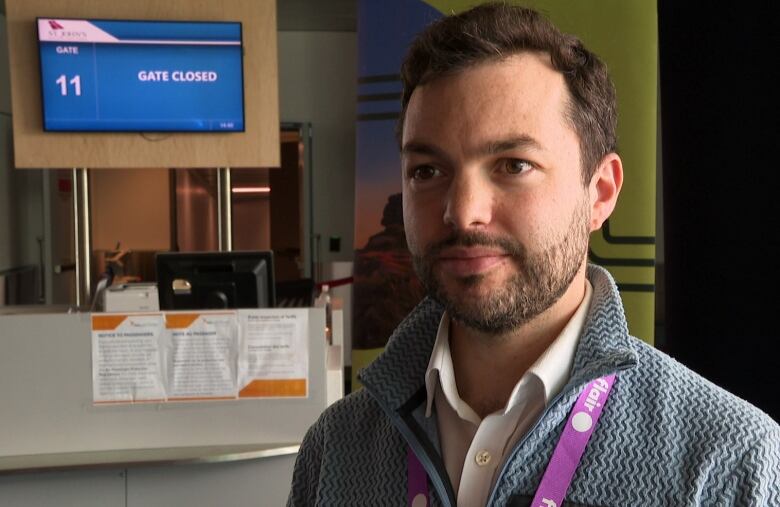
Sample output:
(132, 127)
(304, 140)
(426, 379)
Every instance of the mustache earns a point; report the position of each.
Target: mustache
(509, 245)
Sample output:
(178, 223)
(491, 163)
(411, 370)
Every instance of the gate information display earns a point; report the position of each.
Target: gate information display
(141, 76)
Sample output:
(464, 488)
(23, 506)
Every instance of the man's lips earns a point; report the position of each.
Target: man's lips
(462, 261)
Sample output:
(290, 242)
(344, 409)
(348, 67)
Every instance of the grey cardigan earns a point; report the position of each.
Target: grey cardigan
(666, 437)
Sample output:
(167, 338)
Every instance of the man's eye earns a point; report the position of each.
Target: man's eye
(424, 172)
(516, 166)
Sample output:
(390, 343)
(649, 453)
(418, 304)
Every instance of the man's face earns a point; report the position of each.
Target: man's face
(496, 215)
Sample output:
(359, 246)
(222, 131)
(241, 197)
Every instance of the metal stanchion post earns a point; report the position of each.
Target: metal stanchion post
(82, 237)
(225, 210)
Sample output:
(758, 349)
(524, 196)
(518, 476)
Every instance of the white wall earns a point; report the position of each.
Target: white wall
(5, 81)
(318, 84)
(21, 218)
(7, 225)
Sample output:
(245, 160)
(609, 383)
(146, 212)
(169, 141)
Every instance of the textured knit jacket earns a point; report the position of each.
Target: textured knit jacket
(666, 435)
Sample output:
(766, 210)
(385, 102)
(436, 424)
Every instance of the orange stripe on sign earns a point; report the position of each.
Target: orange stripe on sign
(203, 398)
(106, 322)
(274, 388)
(180, 320)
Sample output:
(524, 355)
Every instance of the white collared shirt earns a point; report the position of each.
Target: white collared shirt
(474, 449)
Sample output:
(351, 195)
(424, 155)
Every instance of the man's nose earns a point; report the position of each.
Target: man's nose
(469, 202)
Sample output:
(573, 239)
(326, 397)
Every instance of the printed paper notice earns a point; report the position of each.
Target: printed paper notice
(126, 359)
(274, 359)
(201, 356)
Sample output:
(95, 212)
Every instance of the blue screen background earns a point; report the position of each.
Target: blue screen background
(170, 30)
(114, 99)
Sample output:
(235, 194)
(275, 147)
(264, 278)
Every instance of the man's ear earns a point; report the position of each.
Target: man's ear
(604, 189)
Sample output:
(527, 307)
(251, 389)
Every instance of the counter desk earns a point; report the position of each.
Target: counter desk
(56, 444)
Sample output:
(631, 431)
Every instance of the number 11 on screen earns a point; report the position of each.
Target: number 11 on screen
(63, 82)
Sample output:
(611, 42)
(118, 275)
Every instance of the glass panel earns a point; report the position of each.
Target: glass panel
(251, 209)
(131, 221)
(196, 210)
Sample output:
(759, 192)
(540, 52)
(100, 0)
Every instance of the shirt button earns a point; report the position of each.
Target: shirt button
(482, 458)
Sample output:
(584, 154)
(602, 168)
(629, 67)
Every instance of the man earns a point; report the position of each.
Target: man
(508, 146)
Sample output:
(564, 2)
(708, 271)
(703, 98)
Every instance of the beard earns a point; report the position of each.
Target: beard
(540, 280)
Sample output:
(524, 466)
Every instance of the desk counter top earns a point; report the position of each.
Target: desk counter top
(122, 458)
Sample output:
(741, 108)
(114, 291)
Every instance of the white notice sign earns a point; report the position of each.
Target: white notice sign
(126, 358)
(201, 355)
(274, 359)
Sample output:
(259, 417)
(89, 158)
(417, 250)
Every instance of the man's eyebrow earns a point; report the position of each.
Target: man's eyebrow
(421, 148)
(489, 148)
(511, 143)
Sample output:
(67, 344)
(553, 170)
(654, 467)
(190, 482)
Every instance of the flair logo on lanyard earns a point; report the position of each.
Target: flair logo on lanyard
(565, 459)
(578, 430)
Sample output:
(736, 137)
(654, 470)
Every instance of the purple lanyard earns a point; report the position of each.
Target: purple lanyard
(560, 470)
(417, 491)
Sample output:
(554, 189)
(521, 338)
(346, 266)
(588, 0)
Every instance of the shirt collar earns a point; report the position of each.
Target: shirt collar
(440, 371)
(554, 366)
(552, 369)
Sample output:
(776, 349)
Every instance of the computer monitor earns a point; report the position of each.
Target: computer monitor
(215, 280)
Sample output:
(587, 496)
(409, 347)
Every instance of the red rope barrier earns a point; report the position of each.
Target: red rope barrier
(336, 283)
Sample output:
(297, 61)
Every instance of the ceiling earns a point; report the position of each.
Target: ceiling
(317, 15)
(308, 15)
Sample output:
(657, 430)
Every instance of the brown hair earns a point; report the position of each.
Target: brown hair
(494, 31)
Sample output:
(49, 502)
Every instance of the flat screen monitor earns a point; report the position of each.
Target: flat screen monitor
(215, 280)
(141, 76)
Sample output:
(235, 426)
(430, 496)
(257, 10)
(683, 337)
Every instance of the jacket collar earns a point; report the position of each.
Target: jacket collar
(398, 373)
